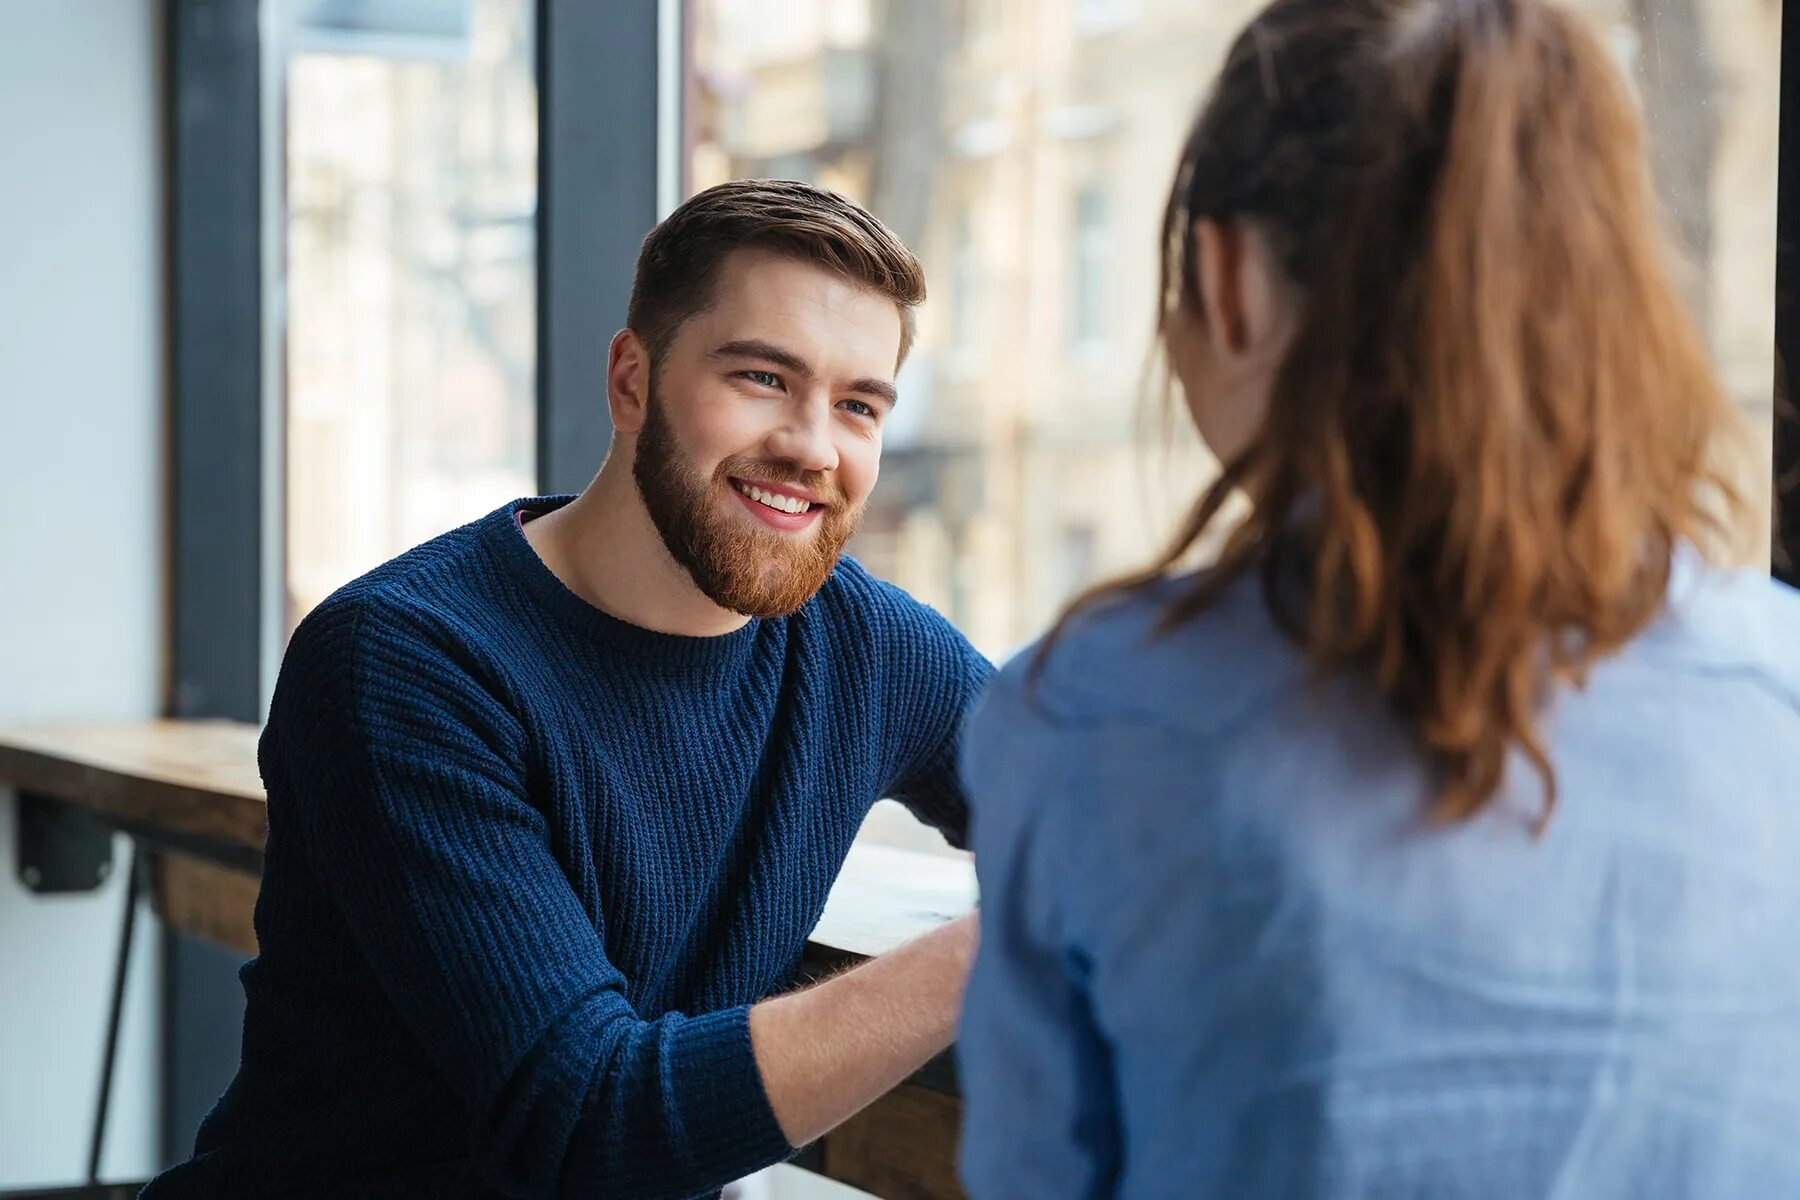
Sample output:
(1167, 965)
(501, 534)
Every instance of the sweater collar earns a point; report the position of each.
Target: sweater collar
(670, 652)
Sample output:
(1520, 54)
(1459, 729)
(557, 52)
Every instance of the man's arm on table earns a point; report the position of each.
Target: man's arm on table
(934, 678)
(830, 1050)
(827, 1052)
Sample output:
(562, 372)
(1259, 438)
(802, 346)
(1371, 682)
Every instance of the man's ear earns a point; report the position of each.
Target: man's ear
(628, 381)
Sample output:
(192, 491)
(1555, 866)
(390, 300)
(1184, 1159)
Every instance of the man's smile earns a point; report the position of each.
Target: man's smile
(781, 506)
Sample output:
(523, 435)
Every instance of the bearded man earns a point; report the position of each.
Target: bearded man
(556, 798)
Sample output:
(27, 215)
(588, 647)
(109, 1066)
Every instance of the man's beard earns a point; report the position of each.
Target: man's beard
(738, 567)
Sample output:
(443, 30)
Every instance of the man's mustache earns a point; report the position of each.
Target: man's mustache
(817, 482)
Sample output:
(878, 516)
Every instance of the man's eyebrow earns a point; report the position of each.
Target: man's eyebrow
(881, 389)
(767, 351)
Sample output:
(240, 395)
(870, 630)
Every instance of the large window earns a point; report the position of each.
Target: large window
(1023, 150)
(411, 196)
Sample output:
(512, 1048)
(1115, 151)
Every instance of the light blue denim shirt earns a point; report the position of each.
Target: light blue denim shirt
(1222, 955)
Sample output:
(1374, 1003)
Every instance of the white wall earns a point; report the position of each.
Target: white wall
(81, 520)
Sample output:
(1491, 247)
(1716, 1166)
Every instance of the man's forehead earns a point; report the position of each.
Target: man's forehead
(763, 296)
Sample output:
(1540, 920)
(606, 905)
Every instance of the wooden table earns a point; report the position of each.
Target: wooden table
(190, 792)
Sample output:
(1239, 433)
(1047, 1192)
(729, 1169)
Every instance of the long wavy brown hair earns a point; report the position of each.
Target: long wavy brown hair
(1497, 421)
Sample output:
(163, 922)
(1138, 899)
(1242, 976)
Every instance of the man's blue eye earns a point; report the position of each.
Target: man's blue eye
(861, 409)
(762, 378)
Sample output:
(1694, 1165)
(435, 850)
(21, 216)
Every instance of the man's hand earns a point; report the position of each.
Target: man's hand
(830, 1050)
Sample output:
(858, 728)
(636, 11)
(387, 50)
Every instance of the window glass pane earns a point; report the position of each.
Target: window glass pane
(410, 277)
(1708, 75)
(1024, 149)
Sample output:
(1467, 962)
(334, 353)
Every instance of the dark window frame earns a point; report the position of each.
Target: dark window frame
(597, 198)
(1786, 533)
(217, 489)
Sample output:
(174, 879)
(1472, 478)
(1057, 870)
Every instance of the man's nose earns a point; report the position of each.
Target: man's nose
(804, 437)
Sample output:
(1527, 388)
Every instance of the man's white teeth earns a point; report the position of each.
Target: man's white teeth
(786, 504)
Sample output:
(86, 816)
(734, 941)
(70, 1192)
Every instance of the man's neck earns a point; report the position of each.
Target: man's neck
(604, 547)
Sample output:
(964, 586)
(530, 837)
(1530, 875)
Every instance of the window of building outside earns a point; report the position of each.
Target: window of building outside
(1031, 469)
(1089, 247)
(1094, 17)
(965, 280)
(410, 200)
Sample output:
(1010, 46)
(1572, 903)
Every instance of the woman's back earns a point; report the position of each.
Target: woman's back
(1233, 957)
(1445, 845)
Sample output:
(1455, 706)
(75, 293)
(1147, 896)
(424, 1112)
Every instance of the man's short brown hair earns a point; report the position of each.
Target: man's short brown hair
(680, 260)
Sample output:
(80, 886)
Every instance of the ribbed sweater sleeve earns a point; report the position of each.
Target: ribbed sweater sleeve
(934, 678)
(411, 804)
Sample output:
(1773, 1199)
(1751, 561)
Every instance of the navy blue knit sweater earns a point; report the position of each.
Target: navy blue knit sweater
(528, 866)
